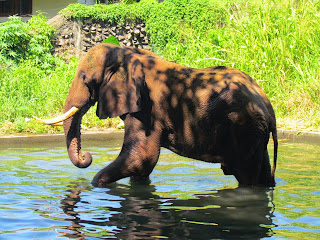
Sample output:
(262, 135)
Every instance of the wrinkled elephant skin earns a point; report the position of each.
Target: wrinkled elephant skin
(216, 114)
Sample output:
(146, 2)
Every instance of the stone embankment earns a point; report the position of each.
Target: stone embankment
(75, 37)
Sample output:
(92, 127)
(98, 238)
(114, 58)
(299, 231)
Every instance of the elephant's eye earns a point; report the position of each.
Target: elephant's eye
(83, 76)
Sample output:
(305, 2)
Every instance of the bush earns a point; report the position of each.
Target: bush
(20, 41)
(114, 13)
(33, 82)
(28, 90)
(172, 20)
(14, 39)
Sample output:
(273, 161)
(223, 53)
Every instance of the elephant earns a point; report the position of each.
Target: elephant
(217, 114)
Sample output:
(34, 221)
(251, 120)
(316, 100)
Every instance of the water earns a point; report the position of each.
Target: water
(43, 196)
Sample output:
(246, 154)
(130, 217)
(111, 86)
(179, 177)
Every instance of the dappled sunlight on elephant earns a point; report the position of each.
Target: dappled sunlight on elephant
(216, 114)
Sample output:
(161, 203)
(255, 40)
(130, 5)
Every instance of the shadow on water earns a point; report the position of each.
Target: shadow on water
(136, 212)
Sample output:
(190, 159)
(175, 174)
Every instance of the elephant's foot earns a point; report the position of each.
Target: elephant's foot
(107, 175)
(251, 179)
(101, 181)
(144, 180)
(267, 181)
(120, 169)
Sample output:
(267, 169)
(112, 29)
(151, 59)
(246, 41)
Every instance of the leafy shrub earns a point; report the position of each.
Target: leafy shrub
(20, 41)
(114, 13)
(28, 90)
(36, 83)
(14, 39)
(33, 82)
(170, 21)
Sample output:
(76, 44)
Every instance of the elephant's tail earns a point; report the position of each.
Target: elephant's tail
(275, 150)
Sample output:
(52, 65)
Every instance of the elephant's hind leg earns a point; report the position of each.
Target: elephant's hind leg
(265, 178)
(255, 170)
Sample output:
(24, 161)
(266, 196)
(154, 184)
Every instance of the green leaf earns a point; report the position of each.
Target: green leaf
(112, 40)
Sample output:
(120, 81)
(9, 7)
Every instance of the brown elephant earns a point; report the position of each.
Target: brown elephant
(216, 114)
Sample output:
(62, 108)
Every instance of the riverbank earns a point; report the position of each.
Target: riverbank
(14, 140)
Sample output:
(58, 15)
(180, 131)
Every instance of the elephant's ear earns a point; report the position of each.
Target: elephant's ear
(122, 93)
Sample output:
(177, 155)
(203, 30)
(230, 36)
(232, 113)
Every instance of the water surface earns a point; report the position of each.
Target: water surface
(43, 196)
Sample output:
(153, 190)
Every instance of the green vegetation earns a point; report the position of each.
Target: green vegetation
(33, 82)
(30, 82)
(277, 43)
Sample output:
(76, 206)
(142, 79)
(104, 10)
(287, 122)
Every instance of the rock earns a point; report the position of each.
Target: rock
(129, 36)
(136, 31)
(57, 21)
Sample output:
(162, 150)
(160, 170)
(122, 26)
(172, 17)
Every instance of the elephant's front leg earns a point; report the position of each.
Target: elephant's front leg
(138, 157)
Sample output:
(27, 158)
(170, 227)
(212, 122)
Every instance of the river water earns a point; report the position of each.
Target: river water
(43, 196)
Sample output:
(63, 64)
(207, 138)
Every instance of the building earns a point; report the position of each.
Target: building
(26, 8)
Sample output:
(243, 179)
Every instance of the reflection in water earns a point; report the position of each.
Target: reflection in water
(228, 213)
(42, 197)
(69, 208)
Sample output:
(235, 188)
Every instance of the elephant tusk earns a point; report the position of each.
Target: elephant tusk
(58, 119)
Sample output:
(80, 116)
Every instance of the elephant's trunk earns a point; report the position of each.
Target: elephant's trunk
(73, 137)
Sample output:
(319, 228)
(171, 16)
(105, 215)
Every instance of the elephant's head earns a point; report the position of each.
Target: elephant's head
(110, 75)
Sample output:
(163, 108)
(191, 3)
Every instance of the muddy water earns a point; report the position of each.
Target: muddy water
(43, 196)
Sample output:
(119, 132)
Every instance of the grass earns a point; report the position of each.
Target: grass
(32, 81)
(277, 43)
(29, 91)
